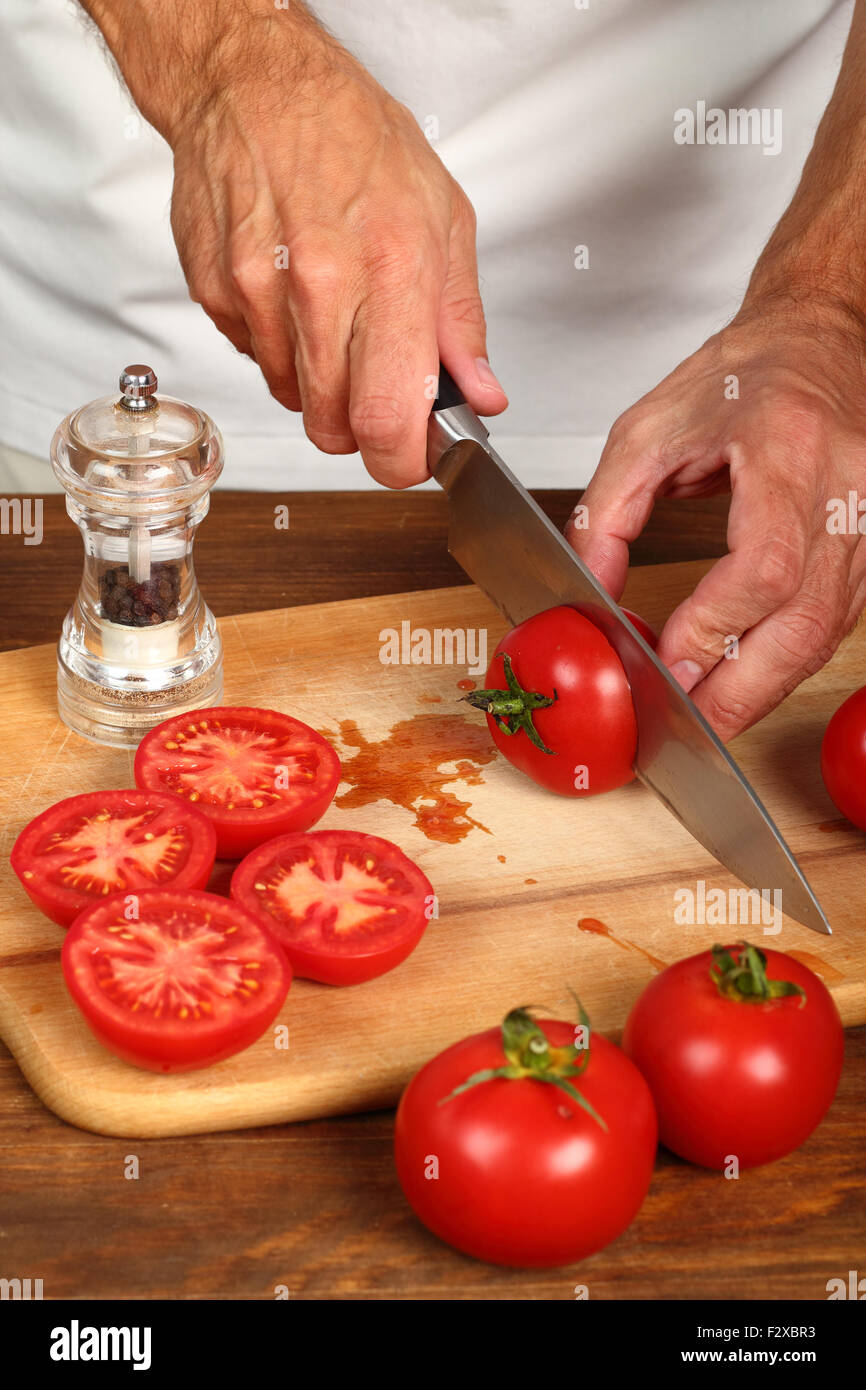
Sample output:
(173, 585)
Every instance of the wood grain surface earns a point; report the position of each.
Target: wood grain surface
(535, 894)
(316, 1205)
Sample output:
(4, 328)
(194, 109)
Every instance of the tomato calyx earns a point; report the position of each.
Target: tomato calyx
(513, 708)
(744, 978)
(530, 1056)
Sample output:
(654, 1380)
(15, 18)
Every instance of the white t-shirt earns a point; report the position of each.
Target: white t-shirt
(562, 119)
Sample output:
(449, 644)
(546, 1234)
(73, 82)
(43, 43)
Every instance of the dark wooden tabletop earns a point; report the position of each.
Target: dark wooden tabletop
(316, 1206)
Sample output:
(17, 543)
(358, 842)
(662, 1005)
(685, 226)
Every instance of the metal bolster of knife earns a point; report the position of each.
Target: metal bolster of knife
(451, 421)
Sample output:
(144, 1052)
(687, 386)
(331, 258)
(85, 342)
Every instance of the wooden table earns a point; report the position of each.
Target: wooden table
(317, 1206)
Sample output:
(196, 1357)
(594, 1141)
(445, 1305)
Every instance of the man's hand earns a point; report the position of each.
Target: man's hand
(314, 223)
(774, 407)
(789, 588)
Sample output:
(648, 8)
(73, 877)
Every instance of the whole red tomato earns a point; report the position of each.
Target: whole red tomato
(843, 758)
(515, 1170)
(559, 705)
(738, 1065)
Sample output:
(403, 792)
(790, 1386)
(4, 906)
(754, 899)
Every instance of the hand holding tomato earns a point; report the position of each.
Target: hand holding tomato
(785, 446)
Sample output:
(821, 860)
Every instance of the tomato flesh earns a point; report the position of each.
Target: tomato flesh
(254, 773)
(344, 906)
(744, 1079)
(88, 847)
(188, 981)
(524, 1176)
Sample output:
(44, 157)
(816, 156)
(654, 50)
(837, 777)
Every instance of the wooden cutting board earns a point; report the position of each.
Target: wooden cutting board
(536, 893)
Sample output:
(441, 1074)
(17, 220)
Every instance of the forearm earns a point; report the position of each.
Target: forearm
(174, 54)
(818, 249)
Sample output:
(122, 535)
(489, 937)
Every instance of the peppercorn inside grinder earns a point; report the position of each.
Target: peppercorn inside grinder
(139, 644)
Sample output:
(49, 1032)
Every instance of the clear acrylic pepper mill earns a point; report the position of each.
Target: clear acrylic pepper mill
(139, 643)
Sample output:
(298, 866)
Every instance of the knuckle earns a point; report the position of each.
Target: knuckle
(250, 275)
(464, 212)
(635, 430)
(778, 571)
(467, 310)
(285, 390)
(212, 298)
(327, 426)
(377, 421)
(315, 274)
(727, 711)
(808, 635)
(399, 260)
(330, 438)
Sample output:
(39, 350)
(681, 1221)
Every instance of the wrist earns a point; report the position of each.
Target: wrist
(819, 281)
(176, 57)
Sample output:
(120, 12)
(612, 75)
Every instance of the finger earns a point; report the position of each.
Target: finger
(617, 503)
(782, 650)
(261, 293)
(771, 528)
(461, 328)
(322, 311)
(393, 356)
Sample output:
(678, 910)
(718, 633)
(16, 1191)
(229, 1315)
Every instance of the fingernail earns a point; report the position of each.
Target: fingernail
(486, 375)
(686, 673)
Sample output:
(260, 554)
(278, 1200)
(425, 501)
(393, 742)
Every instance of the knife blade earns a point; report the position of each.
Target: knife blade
(507, 546)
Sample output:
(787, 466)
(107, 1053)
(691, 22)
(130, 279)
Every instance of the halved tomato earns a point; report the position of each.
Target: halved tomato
(174, 981)
(87, 847)
(344, 906)
(254, 773)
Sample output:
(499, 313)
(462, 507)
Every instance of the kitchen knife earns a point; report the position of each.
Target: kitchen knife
(513, 553)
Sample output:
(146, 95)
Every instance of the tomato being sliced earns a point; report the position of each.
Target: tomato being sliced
(344, 906)
(190, 980)
(559, 705)
(254, 773)
(87, 847)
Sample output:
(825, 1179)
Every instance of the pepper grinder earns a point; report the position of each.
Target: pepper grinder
(139, 644)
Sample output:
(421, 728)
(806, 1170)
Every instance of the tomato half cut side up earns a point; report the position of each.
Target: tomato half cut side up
(344, 906)
(255, 773)
(188, 981)
(88, 847)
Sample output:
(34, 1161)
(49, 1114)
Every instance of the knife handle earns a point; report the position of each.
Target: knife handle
(449, 395)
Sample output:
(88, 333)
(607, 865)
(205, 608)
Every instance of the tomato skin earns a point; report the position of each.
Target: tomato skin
(731, 1078)
(332, 957)
(843, 758)
(239, 828)
(648, 633)
(169, 1044)
(61, 902)
(592, 722)
(525, 1176)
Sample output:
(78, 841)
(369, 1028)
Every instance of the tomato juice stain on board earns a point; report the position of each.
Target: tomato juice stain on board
(466, 685)
(597, 928)
(406, 768)
(828, 973)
